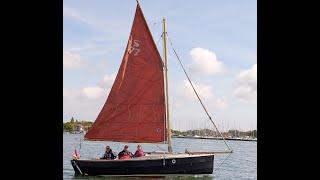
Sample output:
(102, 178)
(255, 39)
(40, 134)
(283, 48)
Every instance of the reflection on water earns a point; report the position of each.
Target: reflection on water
(242, 164)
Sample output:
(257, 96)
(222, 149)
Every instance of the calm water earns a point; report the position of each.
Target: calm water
(242, 164)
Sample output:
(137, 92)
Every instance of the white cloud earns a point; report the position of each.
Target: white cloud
(221, 103)
(72, 60)
(91, 92)
(107, 81)
(71, 94)
(204, 91)
(246, 89)
(94, 92)
(86, 102)
(205, 61)
(98, 22)
(82, 95)
(249, 76)
(73, 14)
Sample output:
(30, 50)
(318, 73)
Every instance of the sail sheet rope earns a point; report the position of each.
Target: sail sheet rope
(185, 72)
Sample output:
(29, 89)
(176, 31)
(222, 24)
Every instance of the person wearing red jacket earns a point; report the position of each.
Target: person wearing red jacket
(139, 152)
(125, 154)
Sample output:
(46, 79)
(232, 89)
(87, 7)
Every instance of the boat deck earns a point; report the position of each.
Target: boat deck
(159, 155)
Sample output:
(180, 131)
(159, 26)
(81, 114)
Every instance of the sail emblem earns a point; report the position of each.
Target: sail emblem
(135, 48)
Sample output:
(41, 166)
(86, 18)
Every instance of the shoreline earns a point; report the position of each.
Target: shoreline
(215, 138)
(193, 137)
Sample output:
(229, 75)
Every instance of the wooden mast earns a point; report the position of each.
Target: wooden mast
(164, 37)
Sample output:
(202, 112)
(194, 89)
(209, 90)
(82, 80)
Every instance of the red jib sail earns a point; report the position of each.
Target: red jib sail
(135, 108)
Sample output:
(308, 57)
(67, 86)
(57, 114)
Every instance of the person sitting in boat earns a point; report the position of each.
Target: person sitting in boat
(109, 154)
(139, 152)
(125, 154)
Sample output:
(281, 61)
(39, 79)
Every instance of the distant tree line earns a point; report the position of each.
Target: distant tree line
(72, 125)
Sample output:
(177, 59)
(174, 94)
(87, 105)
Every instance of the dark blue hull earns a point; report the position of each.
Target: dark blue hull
(174, 165)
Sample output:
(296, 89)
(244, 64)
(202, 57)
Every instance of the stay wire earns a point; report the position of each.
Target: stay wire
(185, 72)
(216, 169)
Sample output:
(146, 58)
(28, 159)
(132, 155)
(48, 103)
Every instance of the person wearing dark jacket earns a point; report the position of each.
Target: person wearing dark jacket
(125, 154)
(109, 154)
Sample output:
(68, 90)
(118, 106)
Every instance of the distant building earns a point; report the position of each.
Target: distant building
(79, 128)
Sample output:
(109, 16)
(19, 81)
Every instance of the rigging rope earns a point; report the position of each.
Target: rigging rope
(216, 169)
(159, 38)
(185, 72)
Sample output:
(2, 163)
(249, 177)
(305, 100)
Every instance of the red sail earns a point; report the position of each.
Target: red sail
(135, 109)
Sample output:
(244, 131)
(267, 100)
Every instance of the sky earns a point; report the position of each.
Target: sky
(215, 40)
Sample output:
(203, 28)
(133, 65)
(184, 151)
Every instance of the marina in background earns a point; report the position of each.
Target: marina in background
(75, 126)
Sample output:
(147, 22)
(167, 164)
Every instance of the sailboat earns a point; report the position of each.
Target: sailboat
(137, 111)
